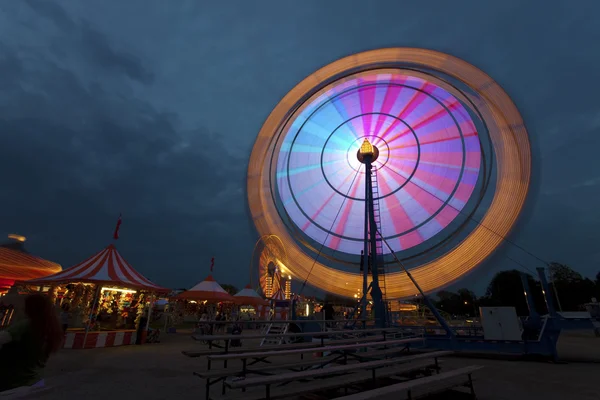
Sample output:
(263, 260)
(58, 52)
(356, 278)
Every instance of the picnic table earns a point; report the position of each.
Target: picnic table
(214, 376)
(261, 355)
(212, 340)
(345, 375)
(423, 387)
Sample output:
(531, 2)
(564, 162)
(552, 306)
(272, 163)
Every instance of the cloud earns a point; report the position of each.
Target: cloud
(151, 110)
(77, 150)
(79, 37)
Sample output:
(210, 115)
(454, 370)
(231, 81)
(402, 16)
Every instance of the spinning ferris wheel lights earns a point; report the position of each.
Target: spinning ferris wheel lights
(440, 126)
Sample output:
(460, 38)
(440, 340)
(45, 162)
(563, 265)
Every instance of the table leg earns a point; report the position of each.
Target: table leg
(373, 375)
(244, 371)
(472, 388)
(226, 351)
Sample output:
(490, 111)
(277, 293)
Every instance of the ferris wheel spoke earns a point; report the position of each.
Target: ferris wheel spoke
(401, 220)
(427, 110)
(435, 114)
(349, 105)
(333, 194)
(390, 98)
(306, 168)
(319, 132)
(444, 213)
(309, 148)
(313, 185)
(433, 201)
(366, 102)
(340, 228)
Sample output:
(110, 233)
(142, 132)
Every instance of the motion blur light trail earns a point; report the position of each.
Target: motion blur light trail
(300, 175)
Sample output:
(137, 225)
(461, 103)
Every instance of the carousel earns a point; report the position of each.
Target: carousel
(17, 264)
(104, 301)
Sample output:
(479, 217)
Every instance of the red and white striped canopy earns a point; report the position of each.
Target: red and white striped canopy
(249, 296)
(107, 267)
(208, 289)
(278, 295)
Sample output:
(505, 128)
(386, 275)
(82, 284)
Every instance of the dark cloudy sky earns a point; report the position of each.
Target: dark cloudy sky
(150, 108)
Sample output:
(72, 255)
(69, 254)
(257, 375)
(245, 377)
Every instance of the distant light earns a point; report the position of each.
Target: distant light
(16, 237)
(107, 289)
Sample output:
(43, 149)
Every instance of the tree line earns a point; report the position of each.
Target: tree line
(569, 289)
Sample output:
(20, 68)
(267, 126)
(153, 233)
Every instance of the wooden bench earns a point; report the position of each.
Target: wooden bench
(422, 387)
(378, 369)
(262, 355)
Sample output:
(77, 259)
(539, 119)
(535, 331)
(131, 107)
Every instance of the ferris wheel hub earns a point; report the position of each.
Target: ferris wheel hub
(367, 151)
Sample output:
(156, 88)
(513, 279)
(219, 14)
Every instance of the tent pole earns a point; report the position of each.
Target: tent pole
(94, 304)
(150, 311)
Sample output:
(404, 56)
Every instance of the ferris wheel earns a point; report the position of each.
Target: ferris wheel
(451, 171)
(268, 270)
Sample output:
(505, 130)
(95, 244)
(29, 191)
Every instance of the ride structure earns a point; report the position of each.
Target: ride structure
(414, 159)
(448, 184)
(367, 154)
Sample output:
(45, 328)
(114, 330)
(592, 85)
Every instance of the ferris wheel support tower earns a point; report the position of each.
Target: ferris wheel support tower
(367, 154)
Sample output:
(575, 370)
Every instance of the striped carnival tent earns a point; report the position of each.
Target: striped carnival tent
(208, 290)
(248, 296)
(106, 267)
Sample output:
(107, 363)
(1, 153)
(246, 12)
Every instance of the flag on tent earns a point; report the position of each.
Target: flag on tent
(116, 234)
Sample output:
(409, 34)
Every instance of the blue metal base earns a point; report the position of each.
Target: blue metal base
(545, 347)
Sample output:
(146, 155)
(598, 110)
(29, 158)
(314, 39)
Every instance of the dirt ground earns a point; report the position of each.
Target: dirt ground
(160, 371)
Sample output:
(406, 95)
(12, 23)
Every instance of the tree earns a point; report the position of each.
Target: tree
(232, 290)
(462, 303)
(506, 290)
(570, 287)
(564, 273)
(448, 302)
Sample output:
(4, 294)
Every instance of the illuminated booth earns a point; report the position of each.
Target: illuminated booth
(251, 303)
(105, 299)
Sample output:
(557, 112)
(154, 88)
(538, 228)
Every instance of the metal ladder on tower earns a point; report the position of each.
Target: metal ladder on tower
(379, 241)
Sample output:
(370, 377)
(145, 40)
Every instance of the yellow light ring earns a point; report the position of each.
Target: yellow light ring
(513, 168)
